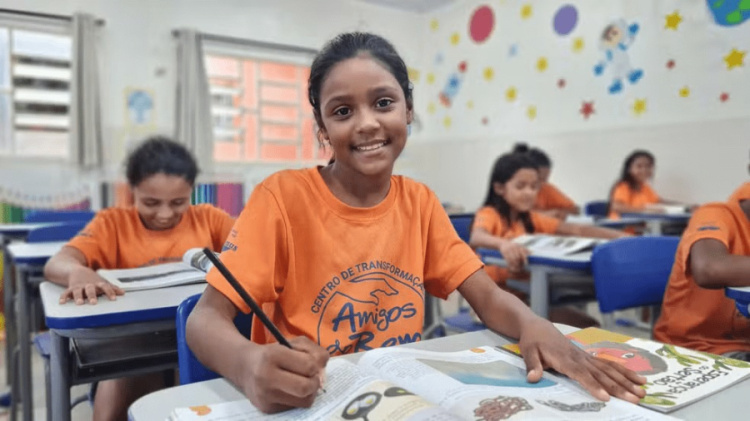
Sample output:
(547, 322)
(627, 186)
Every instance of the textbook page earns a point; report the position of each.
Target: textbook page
(352, 393)
(555, 245)
(191, 269)
(488, 383)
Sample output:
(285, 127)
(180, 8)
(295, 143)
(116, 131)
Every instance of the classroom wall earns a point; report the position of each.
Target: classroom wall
(530, 75)
(137, 50)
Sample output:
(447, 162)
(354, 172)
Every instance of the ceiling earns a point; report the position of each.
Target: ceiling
(418, 6)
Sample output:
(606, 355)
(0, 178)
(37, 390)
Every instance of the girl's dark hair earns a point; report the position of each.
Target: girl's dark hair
(349, 45)
(537, 155)
(157, 155)
(506, 166)
(625, 175)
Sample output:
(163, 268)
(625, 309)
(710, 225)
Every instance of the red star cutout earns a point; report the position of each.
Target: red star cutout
(561, 83)
(724, 97)
(587, 108)
(670, 64)
(485, 120)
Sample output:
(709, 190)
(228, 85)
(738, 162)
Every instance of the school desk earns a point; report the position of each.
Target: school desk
(741, 297)
(725, 405)
(655, 221)
(576, 269)
(137, 312)
(26, 259)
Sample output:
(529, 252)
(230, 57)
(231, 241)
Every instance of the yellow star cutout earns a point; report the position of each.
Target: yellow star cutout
(685, 92)
(531, 112)
(578, 45)
(431, 108)
(639, 107)
(735, 58)
(489, 74)
(413, 74)
(470, 105)
(526, 11)
(447, 122)
(541, 64)
(510, 94)
(430, 78)
(434, 25)
(673, 21)
(455, 38)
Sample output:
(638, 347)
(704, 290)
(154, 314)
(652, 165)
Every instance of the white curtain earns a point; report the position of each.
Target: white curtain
(194, 127)
(85, 117)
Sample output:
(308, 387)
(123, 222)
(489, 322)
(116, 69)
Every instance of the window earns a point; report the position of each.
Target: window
(35, 79)
(259, 107)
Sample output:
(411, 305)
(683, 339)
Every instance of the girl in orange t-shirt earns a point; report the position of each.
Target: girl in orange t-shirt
(550, 200)
(340, 256)
(161, 226)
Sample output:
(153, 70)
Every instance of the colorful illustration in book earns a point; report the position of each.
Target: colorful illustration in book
(616, 39)
(453, 85)
(495, 373)
(201, 410)
(362, 405)
(386, 399)
(578, 407)
(729, 12)
(501, 408)
(637, 359)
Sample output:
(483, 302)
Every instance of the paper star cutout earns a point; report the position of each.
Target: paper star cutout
(434, 25)
(735, 58)
(673, 21)
(430, 78)
(485, 120)
(470, 105)
(488, 74)
(431, 108)
(447, 122)
(541, 64)
(510, 94)
(513, 50)
(724, 97)
(639, 106)
(531, 112)
(526, 11)
(685, 92)
(587, 108)
(670, 64)
(578, 45)
(455, 38)
(561, 83)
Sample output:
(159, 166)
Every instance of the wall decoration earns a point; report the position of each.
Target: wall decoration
(488, 74)
(434, 25)
(455, 38)
(578, 45)
(724, 97)
(735, 58)
(513, 50)
(431, 108)
(670, 64)
(438, 59)
(672, 21)
(447, 122)
(616, 39)
(531, 112)
(526, 11)
(561, 83)
(453, 85)
(430, 78)
(542, 64)
(510, 94)
(684, 92)
(565, 20)
(587, 109)
(729, 12)
(639, 106)
(470, 105)
(413, 74)
(481, 24)
(139, 104)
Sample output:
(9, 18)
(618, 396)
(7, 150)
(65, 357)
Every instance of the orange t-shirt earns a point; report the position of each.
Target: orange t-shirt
(117, 239)
(637, 199)
(699, 318)
(550, 197)
(350, 279)
(489, 218)
(742, 193)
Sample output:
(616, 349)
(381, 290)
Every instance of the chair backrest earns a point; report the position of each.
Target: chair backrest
(58, 216)
(462, 224)
(597, 208)
(61, 232)
(633, 271)
(191, 370)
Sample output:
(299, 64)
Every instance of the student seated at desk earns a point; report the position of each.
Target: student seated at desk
(632, 192)
(507, 213)
(340, 256)
(160, 228)
(550, 200)
(714, 253)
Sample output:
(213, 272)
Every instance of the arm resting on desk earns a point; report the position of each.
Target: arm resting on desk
(566, 228)
(69, 268)
(713, 267)
(515, 255)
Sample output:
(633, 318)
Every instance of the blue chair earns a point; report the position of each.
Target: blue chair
(596, 208)
(63, 232)
(58, 216)
(191, 370)
(632, 272)
(462, 224)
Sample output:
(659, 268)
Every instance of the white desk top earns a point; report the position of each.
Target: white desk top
(33, 253)
(133, 307)
(23, 228)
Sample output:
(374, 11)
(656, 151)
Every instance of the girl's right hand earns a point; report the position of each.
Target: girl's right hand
(86, 285)
(277, 378)
(515, 255)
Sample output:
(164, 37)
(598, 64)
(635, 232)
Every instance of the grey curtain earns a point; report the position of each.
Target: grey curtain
(193, 125)
(85, 117)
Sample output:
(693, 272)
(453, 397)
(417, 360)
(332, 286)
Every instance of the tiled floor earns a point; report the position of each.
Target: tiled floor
(83, 411)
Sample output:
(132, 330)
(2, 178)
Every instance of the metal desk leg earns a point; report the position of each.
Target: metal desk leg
(539, 291)
(10, 316)
(59, 368)
(24, 344)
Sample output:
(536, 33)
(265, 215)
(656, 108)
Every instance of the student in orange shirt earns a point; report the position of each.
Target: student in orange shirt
(341, 256)
(550, 200)
(160, 228)
(714, 253)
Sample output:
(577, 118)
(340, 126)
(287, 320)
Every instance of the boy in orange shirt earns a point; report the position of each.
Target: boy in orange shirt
(550, 200)
(160, 228)
(714, 253)
(341, 256)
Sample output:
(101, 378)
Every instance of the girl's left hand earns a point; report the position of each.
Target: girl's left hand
(543, 346)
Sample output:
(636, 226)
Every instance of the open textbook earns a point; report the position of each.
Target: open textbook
(675, 376)
(555, 245)
(479, 384)
(192, 269)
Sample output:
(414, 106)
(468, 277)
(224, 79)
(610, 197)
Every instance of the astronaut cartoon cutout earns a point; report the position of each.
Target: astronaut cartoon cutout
(615, 41)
